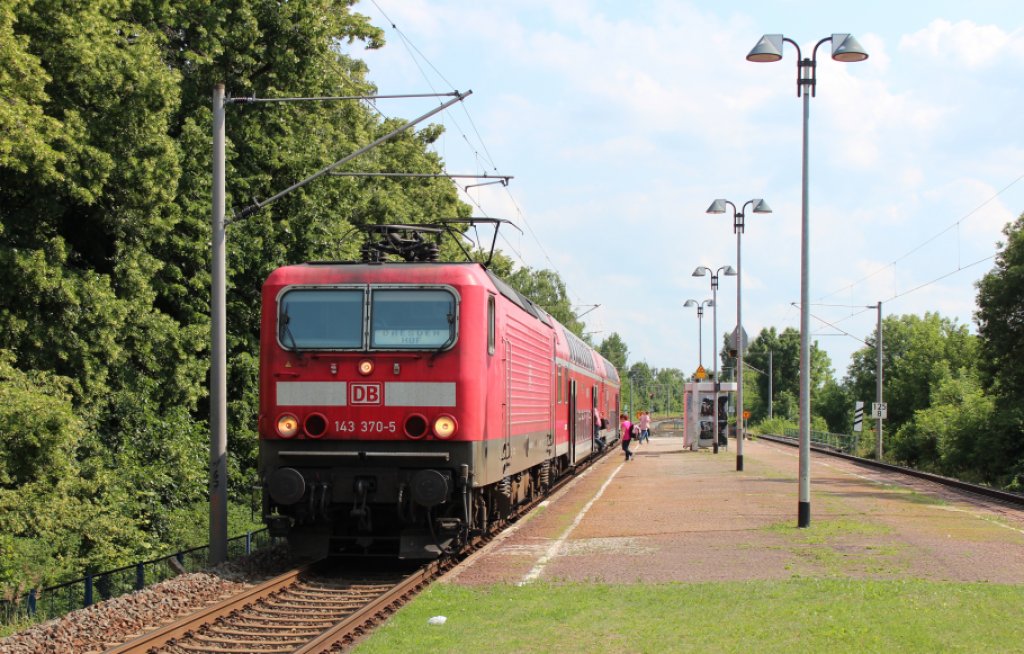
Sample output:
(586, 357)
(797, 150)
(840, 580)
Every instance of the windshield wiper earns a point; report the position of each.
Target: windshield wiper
(286, 331)
(451, 333)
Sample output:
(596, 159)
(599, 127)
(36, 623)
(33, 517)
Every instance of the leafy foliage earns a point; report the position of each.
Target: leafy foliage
(916, 353)
(784, 366)
(614, 349)
(104, 225)
(1000, 319)
(949, 436)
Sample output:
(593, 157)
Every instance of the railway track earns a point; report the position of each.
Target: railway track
(300, 611)
(1014, 499)
(304, 610)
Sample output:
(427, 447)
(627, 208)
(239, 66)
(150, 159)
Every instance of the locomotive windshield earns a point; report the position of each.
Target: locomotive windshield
(411, 319)
(321, 319)
(399, 319)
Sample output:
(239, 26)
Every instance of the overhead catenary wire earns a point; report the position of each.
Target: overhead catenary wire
(954, 226)
(892, 298)
(488, 161)
(960, 267)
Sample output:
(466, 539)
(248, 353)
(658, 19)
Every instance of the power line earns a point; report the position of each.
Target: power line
(416, 55)
(955, 225)
(894, 297)
(940, 278)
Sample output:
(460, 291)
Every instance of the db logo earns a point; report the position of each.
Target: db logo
(365, 394)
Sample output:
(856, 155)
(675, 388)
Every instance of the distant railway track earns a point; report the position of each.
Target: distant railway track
(303, 610)
(1015, 499)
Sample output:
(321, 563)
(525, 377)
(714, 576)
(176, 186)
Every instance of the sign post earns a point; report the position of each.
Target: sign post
(858, 416)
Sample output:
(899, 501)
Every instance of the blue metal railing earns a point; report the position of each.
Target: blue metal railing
(39, 605)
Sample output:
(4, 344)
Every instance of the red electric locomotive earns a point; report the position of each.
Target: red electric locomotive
(404, 405)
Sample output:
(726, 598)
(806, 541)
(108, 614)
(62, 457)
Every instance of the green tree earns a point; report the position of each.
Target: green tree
(785, 372)
(614, 349)
(835, 407)
(638, 380)
(546, 288)
(1000, 319)
(668, 394)
(104, 231)
(949, 436)
(915, 355)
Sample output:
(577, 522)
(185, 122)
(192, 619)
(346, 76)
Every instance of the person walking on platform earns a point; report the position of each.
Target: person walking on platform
(645, 427)
(599, 424)
(627, 434)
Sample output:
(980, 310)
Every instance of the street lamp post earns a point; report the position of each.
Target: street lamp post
(845, 48)
(759, 206)
(700, 324)
(701, 271)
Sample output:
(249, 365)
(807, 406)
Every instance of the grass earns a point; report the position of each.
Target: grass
(827, 530)
(841, 547)
(797, 615)
(915, 497)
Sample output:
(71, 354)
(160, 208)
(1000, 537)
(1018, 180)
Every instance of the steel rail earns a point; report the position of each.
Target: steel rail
(358, 624)
(977, 489)
(377, 610)
(178, 628)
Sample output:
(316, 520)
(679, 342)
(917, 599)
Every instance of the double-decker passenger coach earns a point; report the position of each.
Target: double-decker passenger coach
(406, 405)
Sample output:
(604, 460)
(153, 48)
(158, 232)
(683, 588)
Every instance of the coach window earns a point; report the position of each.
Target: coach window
(311, 319)
(490, 324)
(558, 382)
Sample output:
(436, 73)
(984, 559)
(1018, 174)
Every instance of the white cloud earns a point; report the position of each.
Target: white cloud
(964, 43)
(622, 121)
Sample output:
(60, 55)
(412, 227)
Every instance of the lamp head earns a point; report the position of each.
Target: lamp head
(701, 271)
(729, 271)
(768, 49)
(690, 303)
(760, 206)
(718, 206)
(846, 48)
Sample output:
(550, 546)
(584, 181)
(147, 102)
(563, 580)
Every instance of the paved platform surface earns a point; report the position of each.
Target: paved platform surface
(675, 515)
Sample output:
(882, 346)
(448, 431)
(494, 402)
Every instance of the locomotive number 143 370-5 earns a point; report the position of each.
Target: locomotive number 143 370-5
(365, 426)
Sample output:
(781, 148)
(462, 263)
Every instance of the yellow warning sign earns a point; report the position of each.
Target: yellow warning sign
(701, 374)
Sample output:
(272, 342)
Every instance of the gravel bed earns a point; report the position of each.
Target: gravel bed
(118, 620)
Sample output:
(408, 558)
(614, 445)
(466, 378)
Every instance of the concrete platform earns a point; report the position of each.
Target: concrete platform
(675, 515)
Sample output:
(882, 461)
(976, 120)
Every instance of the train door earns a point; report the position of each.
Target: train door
(555, 397)
(572, 420)
(506, 408)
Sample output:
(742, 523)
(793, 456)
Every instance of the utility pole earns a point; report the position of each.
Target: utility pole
(218, 348)
(878, 383)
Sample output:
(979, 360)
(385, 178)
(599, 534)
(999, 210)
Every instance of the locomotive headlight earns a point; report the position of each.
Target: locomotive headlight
(445, 426)
(287, 425)
(365, 367)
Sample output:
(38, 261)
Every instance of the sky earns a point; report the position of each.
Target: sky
(621, 122)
